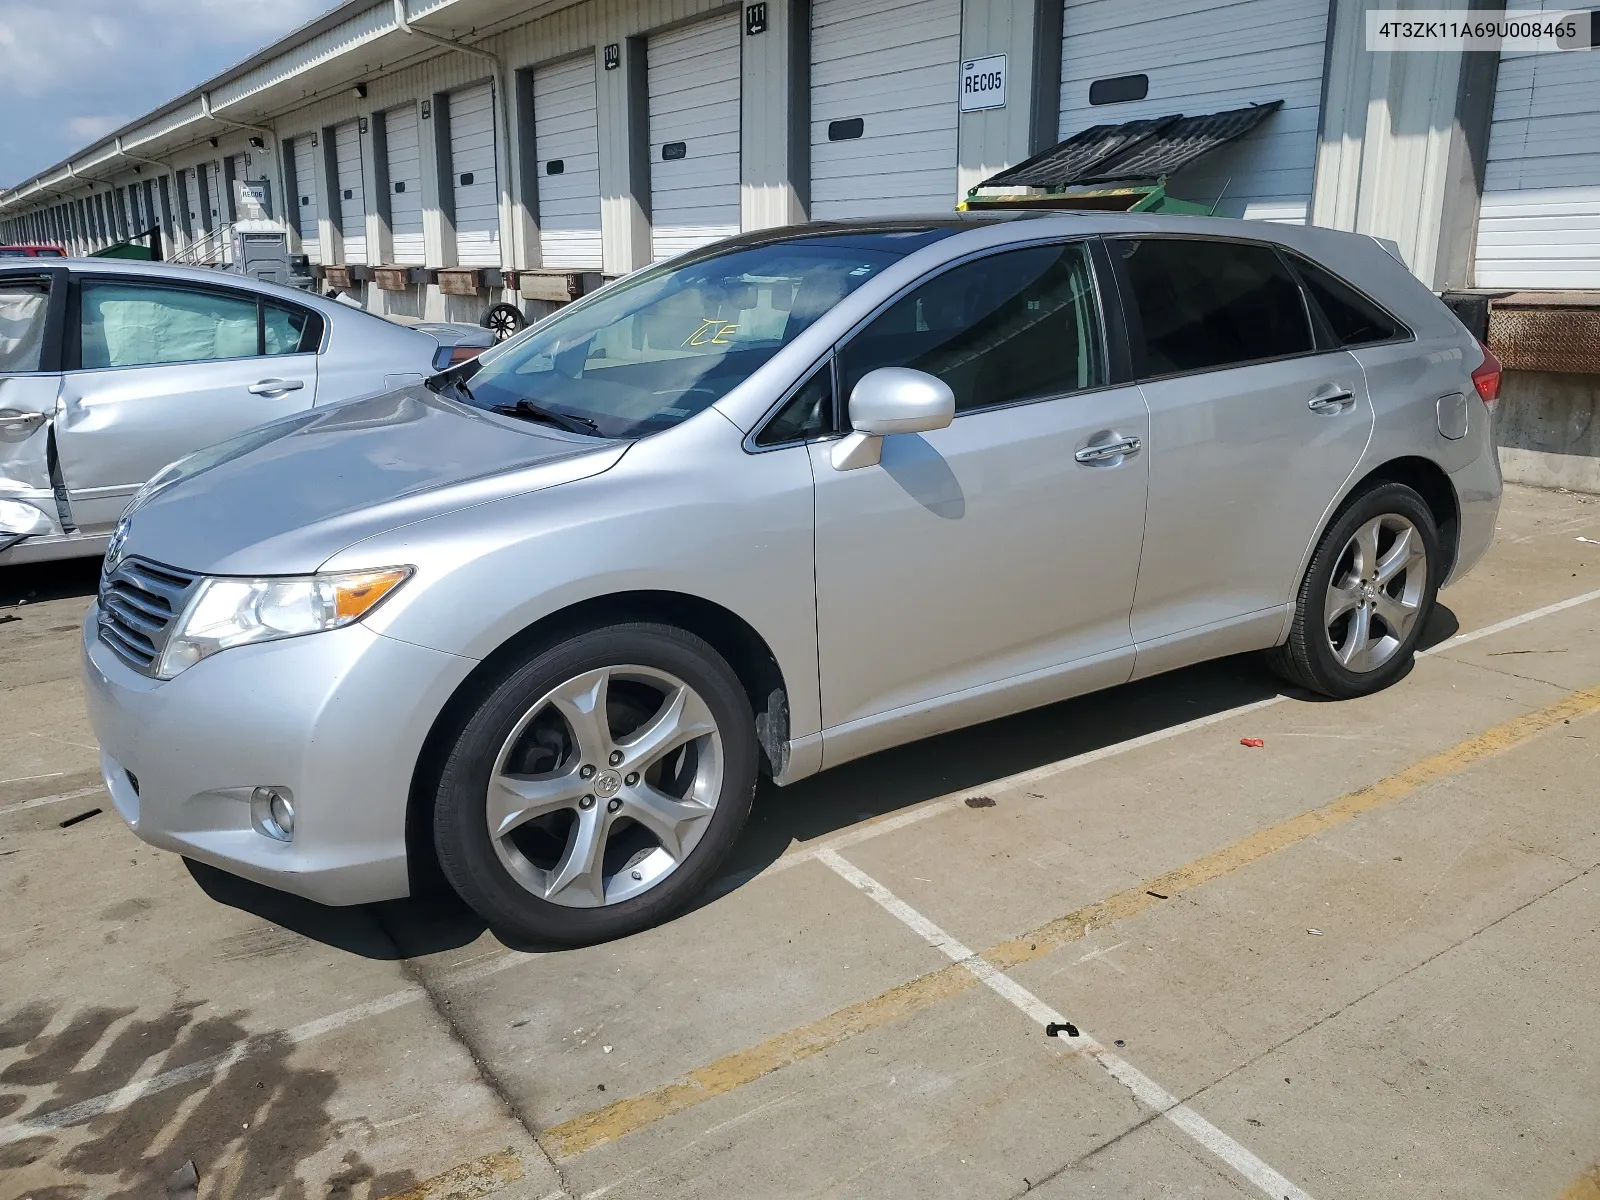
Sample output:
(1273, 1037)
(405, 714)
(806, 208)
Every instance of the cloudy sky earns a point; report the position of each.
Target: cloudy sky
(72, 70)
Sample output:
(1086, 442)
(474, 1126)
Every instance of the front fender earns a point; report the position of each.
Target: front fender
(687, 511)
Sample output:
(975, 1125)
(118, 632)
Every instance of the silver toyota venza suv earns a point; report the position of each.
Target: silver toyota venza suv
(764, 508)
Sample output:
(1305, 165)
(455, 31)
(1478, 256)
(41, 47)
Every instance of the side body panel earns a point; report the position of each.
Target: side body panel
(1241, 473)
(117, 427)
(974, 562)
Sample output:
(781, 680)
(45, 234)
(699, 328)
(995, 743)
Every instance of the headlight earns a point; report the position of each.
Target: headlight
(228, 612)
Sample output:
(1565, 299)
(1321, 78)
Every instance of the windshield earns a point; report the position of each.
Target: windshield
(654, 350)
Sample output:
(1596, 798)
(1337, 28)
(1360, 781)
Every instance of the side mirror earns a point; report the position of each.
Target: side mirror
(891, 400)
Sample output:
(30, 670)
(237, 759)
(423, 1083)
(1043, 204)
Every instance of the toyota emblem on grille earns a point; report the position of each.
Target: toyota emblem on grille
(119, 536)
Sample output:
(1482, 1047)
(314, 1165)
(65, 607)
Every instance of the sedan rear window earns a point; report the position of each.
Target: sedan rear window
(135, 325)
(23, 305)
(1205, 304)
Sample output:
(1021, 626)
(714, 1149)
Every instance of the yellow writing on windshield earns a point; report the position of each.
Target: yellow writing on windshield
(713, 331)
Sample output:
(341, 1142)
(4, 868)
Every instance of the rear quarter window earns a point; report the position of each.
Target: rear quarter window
(1352, 318)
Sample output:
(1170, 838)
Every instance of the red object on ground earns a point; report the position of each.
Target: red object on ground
(1254, 743)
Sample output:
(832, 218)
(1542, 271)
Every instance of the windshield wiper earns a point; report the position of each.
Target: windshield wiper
(571, 422)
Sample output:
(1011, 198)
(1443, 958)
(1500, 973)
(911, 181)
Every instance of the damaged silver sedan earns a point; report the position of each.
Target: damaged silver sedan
(111, 370)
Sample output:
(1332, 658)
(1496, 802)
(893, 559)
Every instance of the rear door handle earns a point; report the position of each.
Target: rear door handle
(275, 387)
(20, 420)
(1332, 399)
(1116, 448)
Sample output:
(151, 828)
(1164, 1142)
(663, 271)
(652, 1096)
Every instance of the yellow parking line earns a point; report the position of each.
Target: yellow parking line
(481, 1177)
(734, 1070)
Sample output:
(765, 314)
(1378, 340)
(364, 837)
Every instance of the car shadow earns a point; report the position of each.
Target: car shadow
(876, 786)
(34, 583)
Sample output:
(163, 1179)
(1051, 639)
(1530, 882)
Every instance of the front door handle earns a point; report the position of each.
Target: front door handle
(20, 420)
(1115, 448)
(275, 387)
(1332, 399)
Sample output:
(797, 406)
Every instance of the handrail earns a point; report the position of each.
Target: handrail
(207, 250)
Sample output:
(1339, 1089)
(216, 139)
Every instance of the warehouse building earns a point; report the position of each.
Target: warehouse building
(436, 157)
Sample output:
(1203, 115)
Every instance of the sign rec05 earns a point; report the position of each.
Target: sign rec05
(983, 83)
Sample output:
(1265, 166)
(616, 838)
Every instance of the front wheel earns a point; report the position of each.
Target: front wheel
(596, 789)
(1366, 596)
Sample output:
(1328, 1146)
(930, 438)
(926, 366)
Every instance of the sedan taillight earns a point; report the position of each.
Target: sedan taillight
(1486, 378)
(450, 356)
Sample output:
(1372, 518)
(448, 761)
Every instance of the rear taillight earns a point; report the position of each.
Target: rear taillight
(462, 353)
(1486, 378)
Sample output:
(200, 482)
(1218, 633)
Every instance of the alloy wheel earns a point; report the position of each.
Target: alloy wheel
(605, 786)
(1379, 583)
(504, 321)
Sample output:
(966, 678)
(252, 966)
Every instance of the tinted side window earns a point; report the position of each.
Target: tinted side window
(1205, 304)
(808, 413)
(24, 305)
(1354, 320)
(287, 330)
(134, 325)
(1013, 326)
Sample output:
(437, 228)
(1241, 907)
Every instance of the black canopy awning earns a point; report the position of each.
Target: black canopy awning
(1134, 151)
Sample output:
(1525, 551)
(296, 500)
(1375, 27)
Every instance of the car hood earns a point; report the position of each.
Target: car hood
(288, 496)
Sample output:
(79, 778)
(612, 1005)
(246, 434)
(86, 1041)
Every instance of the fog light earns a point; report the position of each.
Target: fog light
(272, 812)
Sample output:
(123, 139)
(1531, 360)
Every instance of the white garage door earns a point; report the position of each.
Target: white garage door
(241, 172)
(1197, 59)
(305, 182)
(405, 183)
(1539, 224)
(192, 202)
(477, 192)
(884, 91)
(218, 218)
(694, 135)
(352, 195)
(567, 150)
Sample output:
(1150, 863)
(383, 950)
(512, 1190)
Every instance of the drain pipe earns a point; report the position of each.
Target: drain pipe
(502, 154)
(206, 111)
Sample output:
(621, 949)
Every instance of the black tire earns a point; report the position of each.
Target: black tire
(504, 321)
(1308, 659)
(462, 841)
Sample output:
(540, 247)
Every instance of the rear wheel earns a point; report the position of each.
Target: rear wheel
(598, 788)
(1366, 596)
(504, 321)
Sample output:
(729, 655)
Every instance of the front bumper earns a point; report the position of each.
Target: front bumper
(338, 718)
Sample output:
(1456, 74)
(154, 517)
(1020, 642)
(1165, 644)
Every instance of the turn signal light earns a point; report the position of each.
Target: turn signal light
(353, 595)
(1487, 378)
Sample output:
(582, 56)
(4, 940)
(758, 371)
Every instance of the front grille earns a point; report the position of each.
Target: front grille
(139, 600)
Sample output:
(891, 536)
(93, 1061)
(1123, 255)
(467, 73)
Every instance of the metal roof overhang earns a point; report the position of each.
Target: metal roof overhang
(351, 43)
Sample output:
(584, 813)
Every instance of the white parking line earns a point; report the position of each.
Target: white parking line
(1146, 1090)
(1461, 639)
(484, 968)
(933, 808)
(56, 799)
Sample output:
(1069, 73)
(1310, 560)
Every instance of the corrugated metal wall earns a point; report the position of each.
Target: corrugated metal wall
(1539, 222)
